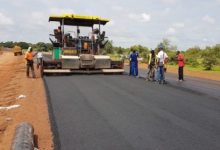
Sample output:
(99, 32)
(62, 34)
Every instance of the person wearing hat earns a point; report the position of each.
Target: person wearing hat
(162, 60)
(30, 62)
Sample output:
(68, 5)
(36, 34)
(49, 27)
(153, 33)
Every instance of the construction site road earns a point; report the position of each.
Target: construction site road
(119, 112)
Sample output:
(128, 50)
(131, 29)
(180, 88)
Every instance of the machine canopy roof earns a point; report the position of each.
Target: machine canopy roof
(78, 20)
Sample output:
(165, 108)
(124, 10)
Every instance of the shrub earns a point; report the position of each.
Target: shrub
(192, 62)
(208, 62)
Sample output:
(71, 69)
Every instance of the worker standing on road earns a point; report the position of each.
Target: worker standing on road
(39, 58)
(181, 63)
(134, 63)
(30, 62)
(152, 59)
(162, 60)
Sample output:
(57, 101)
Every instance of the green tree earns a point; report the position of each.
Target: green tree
(191, 61)
(108, 49)
(23, 45)
(192, 55)
(194, 51)
(49, 47)
(40, 46)
(119, 50)
(209, 59)
(9, 44)
(143, 51)
(166, 44)
(216, 51)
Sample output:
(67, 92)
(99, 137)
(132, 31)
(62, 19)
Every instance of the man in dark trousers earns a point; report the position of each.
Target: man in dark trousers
(162, 60)
(181, 63)
(30, 62)
(152, 60)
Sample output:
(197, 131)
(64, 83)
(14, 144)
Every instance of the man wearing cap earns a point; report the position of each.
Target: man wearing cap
(30, 62)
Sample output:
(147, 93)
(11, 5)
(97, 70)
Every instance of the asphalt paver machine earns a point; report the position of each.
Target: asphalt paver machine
(76, 53)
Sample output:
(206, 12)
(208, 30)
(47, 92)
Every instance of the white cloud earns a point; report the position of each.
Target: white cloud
(179, 25)
(173, 39)
(167, 10)
(4, 20)
(209, 40)
(208, 19)
(171, 31)
(117, 8)
(132, 16)
(144, 17)
(164, 12)
(169, 1)
(205, 40)
(39, 18)
(58, 11)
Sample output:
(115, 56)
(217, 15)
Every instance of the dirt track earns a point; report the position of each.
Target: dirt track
(33, 107)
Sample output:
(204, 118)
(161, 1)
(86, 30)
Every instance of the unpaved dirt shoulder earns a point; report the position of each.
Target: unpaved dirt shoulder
(33, 108)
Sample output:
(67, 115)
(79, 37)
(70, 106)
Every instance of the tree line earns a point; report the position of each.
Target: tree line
(40, 46)
(205, 57)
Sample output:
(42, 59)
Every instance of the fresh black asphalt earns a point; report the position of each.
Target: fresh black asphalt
(200, 86)
(119, 112)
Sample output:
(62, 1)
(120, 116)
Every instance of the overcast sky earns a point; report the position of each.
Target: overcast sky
(186, 23)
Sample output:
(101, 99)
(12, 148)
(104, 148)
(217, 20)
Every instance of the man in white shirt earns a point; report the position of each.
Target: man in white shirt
(162, 60)
(39, 58)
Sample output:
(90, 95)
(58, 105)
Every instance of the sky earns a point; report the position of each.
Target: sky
(186, 23)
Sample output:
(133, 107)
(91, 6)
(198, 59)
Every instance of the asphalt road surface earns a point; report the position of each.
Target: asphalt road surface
(118, 112)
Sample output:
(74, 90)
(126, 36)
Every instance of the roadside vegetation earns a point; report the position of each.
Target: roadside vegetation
(24, 45)
(196, 58)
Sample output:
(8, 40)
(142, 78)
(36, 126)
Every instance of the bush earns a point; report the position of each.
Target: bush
(208, 62)
(192, 62)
